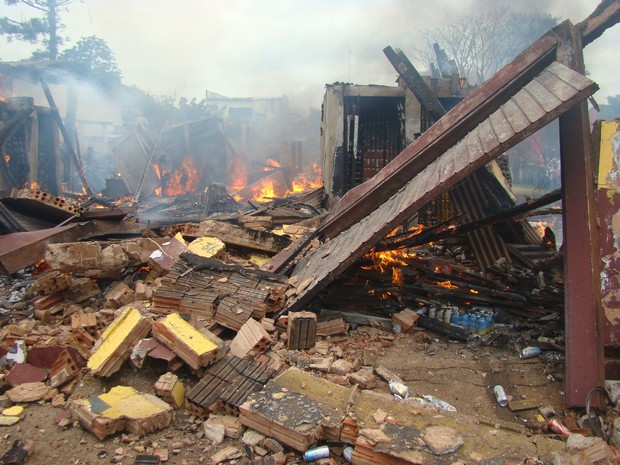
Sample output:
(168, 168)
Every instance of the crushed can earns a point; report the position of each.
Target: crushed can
(529, 352)
(399, 390)
(558, 428)
(316, 453)
(500, 395)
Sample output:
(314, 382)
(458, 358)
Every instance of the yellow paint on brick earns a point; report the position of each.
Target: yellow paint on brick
(178, 393)
(206, 247)
(189, 335)
(14, 411)
(113, 336)
(125, 401)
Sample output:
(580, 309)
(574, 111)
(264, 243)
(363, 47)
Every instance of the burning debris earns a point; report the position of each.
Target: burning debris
(218, 299)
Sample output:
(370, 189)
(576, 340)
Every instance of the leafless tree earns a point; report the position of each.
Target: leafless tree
(482, 43)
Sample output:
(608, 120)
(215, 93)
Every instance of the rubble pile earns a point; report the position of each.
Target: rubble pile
(418, 321)
(201, 331)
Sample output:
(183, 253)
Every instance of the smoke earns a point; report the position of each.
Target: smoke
(271, 48)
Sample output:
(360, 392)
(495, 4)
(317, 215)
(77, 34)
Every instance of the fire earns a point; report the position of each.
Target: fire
(159, 172)
(271, 164)
(239, 175)
(473, 291)
(304, 182)
(186, 178)
(270, 187)
(7, 158)
(447, 284)
(35, 185)
(391, 258)
(265, 191)
(397, 276)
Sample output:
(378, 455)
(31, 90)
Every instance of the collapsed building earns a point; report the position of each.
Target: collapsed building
(245, 303)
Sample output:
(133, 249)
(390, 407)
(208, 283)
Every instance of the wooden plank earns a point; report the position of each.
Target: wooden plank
(515, 116)
(528, 105)
(556, 86)
(501, 126)
(543, 97)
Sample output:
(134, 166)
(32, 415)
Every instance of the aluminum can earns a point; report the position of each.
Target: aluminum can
(347, 453)
(316, 453)
(500, 395)
(558, 428)
(529, 352)
(400, 390)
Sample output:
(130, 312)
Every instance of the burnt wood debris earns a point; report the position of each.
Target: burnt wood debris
(156, 300)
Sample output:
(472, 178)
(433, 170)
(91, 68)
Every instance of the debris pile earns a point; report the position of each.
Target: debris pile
(195, 326)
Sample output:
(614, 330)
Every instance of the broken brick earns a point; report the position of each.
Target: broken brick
(122, 408)
(251, 340)
(115, 344)
(195, 348)
(169, 388)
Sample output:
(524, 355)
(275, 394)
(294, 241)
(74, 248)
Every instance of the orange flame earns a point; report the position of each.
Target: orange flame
(447, 284)
(159, 171)
(306, 181)
(270, 188)
(271, 163)
(186, 178)
(238, 174)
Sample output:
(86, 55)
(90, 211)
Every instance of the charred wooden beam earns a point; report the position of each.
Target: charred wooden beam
(414, 81)
(68, 141)
(584, 348)
(606, 15)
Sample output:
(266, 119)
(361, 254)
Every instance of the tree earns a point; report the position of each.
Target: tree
(610, 110)
(94, 53)
(482, 43)
(37, 30)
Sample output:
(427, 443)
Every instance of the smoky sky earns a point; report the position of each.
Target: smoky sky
(269, 48)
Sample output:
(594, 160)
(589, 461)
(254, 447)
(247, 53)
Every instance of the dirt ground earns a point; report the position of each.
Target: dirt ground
(462, 374)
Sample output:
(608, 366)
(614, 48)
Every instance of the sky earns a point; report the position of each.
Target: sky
(270, 48)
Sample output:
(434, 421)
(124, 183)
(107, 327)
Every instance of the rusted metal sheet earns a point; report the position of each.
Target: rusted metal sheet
(19, 250)
(582, 305)
(483, 143)
(607, 137)
(486, 244)
(455, 125)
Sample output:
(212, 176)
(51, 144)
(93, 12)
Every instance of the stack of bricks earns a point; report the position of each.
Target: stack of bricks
(227, 384)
